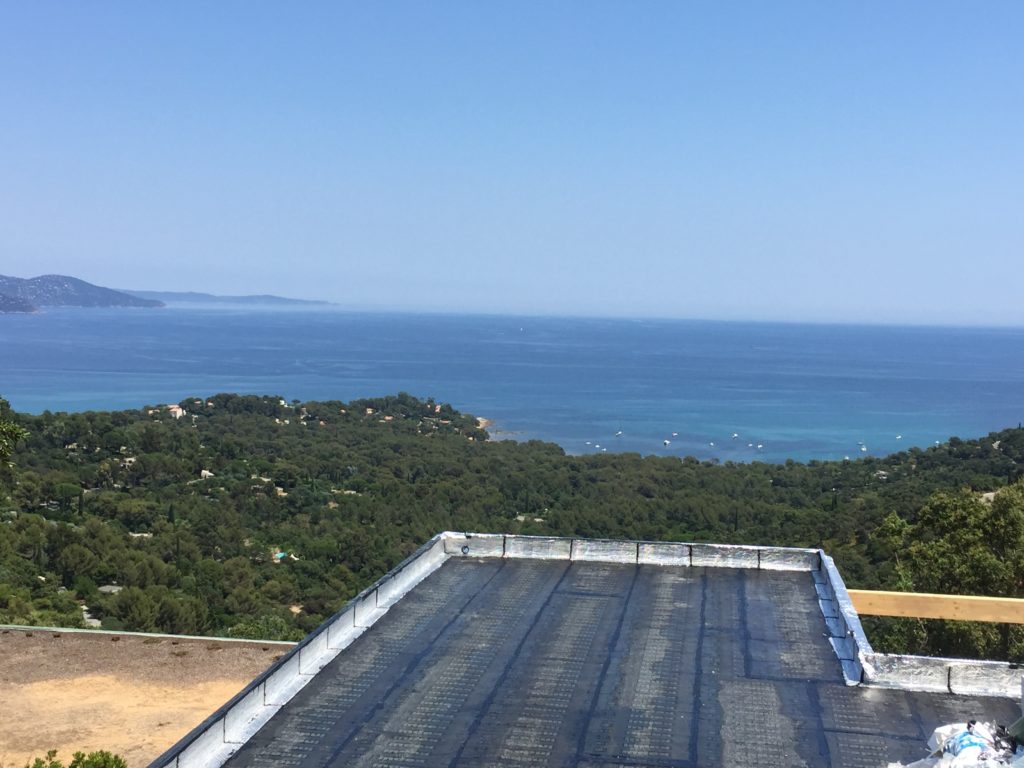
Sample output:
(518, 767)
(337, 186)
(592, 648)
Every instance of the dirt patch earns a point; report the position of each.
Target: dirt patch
(136, 720)
(135, 697)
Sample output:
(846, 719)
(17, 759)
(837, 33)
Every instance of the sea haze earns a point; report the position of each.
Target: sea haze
(798, 391)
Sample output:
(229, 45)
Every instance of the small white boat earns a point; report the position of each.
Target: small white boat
(899, 437)
(668, 442)
(619, 433)
(675, 434)
(760, 446)
(712, 444)
(864, 449)
(735, 435)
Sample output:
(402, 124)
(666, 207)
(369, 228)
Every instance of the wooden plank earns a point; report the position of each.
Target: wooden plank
(924, 606)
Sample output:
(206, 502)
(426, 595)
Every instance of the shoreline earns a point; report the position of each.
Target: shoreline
(495, 432)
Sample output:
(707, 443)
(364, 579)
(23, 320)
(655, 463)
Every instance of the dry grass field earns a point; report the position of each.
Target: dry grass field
(131, 695)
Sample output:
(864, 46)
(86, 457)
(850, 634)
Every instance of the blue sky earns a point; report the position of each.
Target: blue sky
(855, 162)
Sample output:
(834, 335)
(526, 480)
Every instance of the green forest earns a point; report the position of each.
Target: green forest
(252, 516)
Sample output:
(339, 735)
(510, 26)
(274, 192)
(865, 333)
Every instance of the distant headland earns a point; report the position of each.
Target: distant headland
(191, 297)
(27, 295)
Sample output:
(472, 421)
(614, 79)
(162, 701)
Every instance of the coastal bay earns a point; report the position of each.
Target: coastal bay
(591, 385)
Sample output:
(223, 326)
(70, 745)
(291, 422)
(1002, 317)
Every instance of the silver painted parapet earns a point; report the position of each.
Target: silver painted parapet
(636, 552)
(604, 551)
(786, 559)
(862, 665)
(663, 553)
(474, 544)
(723, 556)
(538, 547)
(931, 673)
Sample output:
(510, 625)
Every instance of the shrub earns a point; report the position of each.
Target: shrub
(100, 759)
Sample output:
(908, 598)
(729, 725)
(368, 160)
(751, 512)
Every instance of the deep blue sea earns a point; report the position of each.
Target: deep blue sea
(786, 390)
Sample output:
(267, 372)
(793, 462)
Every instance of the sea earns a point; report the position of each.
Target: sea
(730, 391)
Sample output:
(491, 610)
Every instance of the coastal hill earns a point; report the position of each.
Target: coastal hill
(191, 297)
(12, 304)
(258, 517)
(63, 291)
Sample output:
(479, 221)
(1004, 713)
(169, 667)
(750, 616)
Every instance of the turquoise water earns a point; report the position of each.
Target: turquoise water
(798, 391)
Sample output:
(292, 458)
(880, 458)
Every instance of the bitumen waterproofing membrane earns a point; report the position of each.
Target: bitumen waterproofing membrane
(517, 662)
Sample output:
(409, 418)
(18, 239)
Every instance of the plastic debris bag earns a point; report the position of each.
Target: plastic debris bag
(969, 745)
(942, 734)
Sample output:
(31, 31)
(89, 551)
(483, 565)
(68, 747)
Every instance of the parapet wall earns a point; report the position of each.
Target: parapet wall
(220, 735)
(633, 552)
(863, 665)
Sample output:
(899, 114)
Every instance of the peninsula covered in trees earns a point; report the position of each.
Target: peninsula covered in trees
(64, 291)
(253, 516)
(25, 295)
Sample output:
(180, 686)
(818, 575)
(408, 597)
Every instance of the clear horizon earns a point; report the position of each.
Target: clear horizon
(317, 305)
(856, 164)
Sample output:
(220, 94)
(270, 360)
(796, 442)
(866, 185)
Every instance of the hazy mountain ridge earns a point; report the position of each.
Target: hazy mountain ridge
(64, 291)
(193, 297)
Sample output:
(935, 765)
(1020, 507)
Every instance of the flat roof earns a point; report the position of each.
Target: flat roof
(523, 662)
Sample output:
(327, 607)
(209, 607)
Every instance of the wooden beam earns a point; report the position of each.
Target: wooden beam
(924, 606)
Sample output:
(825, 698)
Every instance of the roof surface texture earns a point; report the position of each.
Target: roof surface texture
(517, 662)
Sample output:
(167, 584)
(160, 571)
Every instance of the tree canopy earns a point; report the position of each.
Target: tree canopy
(10, 433)
(253, 516)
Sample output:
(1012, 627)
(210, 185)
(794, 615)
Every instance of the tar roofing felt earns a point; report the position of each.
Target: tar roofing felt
(533, 662)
